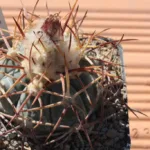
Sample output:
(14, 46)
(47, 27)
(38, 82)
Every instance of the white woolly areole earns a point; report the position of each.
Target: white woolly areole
(12, 52)
(35, 86)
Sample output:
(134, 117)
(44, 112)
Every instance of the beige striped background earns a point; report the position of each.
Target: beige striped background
(129, 17)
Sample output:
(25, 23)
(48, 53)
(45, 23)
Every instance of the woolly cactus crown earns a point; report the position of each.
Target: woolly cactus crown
(47, 50)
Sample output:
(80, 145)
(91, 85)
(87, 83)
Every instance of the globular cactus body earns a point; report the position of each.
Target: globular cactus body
(47, 77)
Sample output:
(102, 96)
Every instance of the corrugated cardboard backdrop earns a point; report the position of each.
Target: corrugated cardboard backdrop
(129, 17)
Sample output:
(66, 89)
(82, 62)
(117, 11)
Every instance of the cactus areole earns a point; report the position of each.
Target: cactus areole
(52, 75)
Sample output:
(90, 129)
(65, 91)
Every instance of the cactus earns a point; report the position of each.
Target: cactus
(53, 76)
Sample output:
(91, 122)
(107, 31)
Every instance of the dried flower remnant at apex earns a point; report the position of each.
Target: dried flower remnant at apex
(52, 27)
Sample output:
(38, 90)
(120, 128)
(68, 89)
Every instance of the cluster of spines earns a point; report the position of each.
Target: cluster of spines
(64, 76)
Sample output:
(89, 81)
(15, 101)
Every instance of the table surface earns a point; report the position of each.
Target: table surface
(131, 18)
